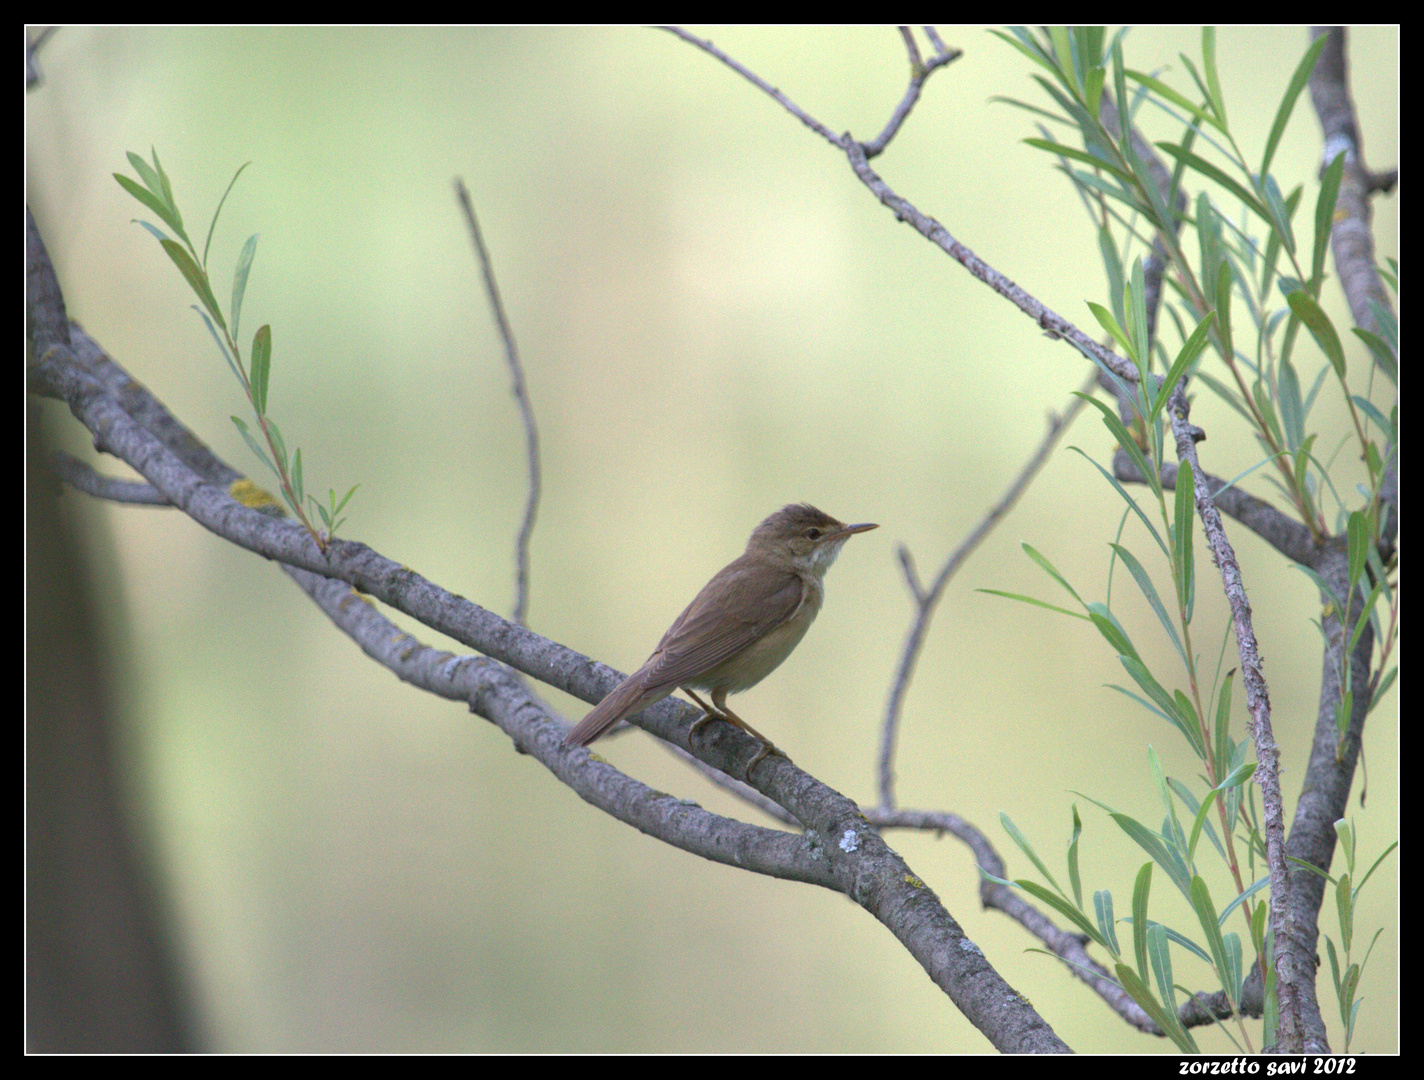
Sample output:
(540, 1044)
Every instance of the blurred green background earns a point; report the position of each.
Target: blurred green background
(715, 319)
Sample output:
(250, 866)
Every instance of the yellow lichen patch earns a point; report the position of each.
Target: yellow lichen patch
(258, 498)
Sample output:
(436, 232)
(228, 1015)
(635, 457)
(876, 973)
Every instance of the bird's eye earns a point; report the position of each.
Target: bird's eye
(813, 534)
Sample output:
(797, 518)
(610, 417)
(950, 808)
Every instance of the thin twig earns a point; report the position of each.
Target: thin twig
(81, 476)
(751, 77)
(919, 73)
(927, 599)
(1046, 318)
(526, 410)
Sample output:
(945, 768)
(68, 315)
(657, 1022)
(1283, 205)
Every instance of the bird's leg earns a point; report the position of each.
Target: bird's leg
(721, 712)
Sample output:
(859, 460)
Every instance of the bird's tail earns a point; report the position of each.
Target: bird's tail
(628, 697)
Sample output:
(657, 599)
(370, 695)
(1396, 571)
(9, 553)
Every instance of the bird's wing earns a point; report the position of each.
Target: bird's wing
(736, 608)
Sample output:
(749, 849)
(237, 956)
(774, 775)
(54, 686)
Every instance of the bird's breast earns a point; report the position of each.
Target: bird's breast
(763, 656)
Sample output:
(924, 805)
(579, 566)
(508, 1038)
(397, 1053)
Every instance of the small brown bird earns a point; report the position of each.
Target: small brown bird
(741, 626)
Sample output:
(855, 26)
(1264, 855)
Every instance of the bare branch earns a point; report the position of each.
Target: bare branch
(919, 73)
(927, 599)
(937, 234)
(82, 477)
(526, 409)
(776, 95)
(1351, 236)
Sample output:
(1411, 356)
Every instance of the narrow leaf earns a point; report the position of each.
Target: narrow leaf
(1110, 324)
(1213, 81)
(214, 223)
(1026, 847)
(1182, 533)
(1222, 752)
(197, 280)
(1141, 890)
(232, 363)
(1151, 843)
(1158, 87)
(253, 444)
(298, 489)
(164, 187)
(1153, 480)
(1103, 908)
(1064, 150)
(1206, 915)
(1359, 545)
(1304, 307)
(1325, 215)
(261, 367)
(1288, 100)
(149, 177)
(1211, 172)
(1160, 954)
(1164, 1019)
(1144, 583)
(239, 280)
(1051, 571)
(1280, 216)
(1113, 632)
(1345, 910)
(1063, 907)
(1292, 406)
(1223, 307)
(1035, 602)
(278, 444)
(1190, 351)
(165, 212)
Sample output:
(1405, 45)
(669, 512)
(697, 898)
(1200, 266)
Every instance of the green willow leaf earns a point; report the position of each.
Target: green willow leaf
(239, 280)
(1109, 322)
(1213, 81)
(1064, 150)
(1325, 217)
(1157, 848)
(214, 223)
(1163, 90)
(253, 444)
(1190, 351)
(1280, 215)
(197, 280)
(1103, 909)
(1211, 172)
(1164, 1019)
(1182, 532)
(1141, 890)
(261, 367)
(1288, 100)
(1161, 957)
(166, 213)
(1211, 926)
(1144, 584)
(1022, 841)
(1304, 307)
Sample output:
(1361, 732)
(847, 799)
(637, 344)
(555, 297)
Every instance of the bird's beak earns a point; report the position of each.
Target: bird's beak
(850, 529)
